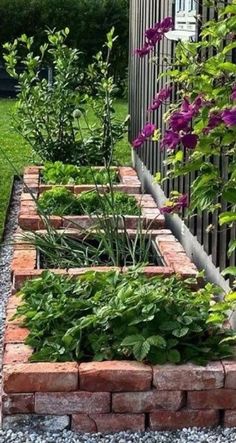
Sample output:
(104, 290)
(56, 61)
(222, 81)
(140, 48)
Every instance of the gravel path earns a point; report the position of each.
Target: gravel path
(218, 435)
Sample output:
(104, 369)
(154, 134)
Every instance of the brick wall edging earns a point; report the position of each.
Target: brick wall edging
(121, 395)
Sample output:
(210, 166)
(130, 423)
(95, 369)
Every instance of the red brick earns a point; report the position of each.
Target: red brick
(83, 423)
(230, 374)
(127, 171)
(152, 271)
(215, 399)
(14, 301)
(16, 353)
(188, 377)
(15, 334)
(230, 419)
(78, 222)
(24, 259)
(119, 422)
(115, 376)
(32, 170)
(10, 313)
(41, 377)
(167, 420)
(72, 402)
(128, 189)
(135, 402)
(17, 404)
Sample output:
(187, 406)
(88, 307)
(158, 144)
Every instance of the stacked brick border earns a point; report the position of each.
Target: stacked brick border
(129, 181)
(109, 396)
(114, 396)
(29, 218)
(24, 262)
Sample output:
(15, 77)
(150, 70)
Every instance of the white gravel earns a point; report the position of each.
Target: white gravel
(193, 435)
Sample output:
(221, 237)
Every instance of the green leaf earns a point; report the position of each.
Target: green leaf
(132, 340)
(231, 270)
(158, 341)
(229, 195)
(174, 356)
(227, 217)
(180, 332)
(141, 350)
(232, 247)
(231, 296)
(227, 66)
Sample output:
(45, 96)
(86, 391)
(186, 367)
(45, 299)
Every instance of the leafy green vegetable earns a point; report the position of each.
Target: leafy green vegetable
(61, 201)
(105, 316)
(59, 173)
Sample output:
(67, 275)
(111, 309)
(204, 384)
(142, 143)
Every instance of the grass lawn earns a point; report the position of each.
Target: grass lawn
(20, 154)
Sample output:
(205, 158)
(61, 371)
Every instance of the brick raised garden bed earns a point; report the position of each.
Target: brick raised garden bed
(25, 261)
(112, 396)
(30, 220)
(129, 181)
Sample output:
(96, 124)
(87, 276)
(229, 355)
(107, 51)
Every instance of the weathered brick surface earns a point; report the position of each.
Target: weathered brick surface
(83, 423)
(168, 420)
(24, 259)
(16, 353)
(115, 376)
(40, 377)
(72, 402)
(230, 374)
(17, 404)
(212, 399)
(230, 419)
(119, 422)
(188, 377)
(15, 334)
(136, 402)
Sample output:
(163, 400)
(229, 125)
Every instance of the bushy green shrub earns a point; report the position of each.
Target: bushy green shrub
(59, 173)
(105, 316)
(61, 201)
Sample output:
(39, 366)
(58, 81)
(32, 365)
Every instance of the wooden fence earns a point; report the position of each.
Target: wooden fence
(142, 88)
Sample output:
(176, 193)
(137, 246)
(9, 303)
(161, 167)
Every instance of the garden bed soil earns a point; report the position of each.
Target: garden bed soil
(25, 262)
(128, 178)
(29, 218)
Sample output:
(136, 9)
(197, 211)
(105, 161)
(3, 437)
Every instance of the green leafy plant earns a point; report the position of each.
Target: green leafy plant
(201, 125)
(105, 316)
(59, 173)
(60, 201)
(53, 115)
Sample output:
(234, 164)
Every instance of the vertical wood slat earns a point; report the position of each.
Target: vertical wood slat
(142, 88)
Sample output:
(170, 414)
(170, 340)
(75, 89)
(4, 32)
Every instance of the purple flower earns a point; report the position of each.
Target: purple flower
(194, 107)
(153, 35)
(167, 24)
(148, 130)
(215, 119)
(233, 95)
(161, 97)
(177, 203)
(179, 121)
(170, 140)
(146, 49)
(229, 117)
(189, 141)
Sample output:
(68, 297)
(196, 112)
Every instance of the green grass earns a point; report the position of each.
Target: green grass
(20, 154)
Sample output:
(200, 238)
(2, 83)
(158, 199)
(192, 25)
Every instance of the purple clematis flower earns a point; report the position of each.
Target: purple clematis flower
(146, 132)
(189, 141)
(229, 117)
(215, 119)
(194, 107)
(170, 140)
(179, 121)
(160, 98)
(178, 203)
(153, 36)
(166, 25)
(146, 49)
